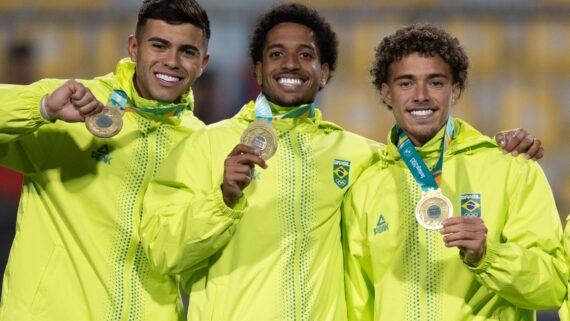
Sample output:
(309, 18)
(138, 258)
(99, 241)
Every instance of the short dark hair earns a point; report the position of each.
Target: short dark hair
(326, 40)
(427, 40)
(175, 12)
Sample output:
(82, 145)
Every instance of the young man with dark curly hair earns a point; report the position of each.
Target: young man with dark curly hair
(445, 226)
(76, 254)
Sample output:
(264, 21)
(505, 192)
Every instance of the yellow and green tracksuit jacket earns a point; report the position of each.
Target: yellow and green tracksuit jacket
(76, 254)
(281, 256)
(398, 270)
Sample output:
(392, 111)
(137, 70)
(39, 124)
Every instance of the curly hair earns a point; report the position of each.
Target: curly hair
(326, 40)
(175, 12)
(427, 40)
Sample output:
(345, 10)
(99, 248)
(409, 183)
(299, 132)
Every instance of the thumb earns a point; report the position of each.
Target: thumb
(501, 139)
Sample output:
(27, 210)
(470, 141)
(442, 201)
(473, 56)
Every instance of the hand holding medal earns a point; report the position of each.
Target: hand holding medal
(70, 102)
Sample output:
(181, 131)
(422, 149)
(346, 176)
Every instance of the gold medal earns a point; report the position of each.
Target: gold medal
(260, 136)
(107, 123)
(432, 209)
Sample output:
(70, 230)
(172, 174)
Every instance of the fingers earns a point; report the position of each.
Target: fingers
(244, 154)
(520, 141)
(91, 107)
(535, 151)
(501, 139)
(468, 233)
(84, 101)
(238, 171)
(71, 102)
(512, 140)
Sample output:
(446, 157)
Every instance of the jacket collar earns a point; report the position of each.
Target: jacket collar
(124, 75)
(247, 113)
(467, 139)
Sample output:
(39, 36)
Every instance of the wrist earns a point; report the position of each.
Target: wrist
(43, 111)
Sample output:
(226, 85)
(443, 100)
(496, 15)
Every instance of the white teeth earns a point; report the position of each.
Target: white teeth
(167, 78)
(290, 81)
(422, 112)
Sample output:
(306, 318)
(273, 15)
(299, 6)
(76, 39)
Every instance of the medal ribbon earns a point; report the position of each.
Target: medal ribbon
(427, 179)
(119, 99)
(303, 111)
(263, 110)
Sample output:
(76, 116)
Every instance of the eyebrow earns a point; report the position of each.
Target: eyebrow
(430, 76)
(302, 46)
(166, 42)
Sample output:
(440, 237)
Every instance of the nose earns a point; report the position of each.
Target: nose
(170, 59)
(421, 93)
(290, 62)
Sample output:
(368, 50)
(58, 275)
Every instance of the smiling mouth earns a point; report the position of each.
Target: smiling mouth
(422, 112)
(290, 81)
(167, 78)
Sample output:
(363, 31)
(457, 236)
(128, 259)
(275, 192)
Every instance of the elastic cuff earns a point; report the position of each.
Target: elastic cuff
(43, 111)
(486, 262)
(237, 211)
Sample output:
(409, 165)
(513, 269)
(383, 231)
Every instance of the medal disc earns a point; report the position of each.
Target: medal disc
(261, 137)
(432, 209)
(107, 123)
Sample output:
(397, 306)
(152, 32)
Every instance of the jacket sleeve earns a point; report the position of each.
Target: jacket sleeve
(564, 311)
(359, 284)
(528, 267)
(185, 219)
(20, 120)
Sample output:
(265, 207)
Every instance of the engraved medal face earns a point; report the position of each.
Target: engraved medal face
(432, 209)
(107, 123)
(260, 136)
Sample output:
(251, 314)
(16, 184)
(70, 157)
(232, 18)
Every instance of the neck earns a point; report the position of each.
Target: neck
(419, 141)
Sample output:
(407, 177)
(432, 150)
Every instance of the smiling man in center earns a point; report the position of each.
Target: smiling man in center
(284, 261)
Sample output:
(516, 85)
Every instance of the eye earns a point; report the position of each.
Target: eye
(158, 45)
(438, 82)
(275, 54)
(404, 83)
(306, 55)
(190, 52)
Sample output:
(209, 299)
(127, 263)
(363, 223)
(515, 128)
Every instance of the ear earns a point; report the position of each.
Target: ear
(455, 94)
(325, 73)
(386, 94)
(132, 47)
(204, 62)
(259, 73)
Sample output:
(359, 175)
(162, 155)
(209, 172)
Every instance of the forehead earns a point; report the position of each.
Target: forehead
(290, 33)
(419, 66)
(184, 32)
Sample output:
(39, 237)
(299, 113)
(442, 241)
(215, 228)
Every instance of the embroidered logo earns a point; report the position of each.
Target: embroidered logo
(471, 204)
(381, 226)
(256, 175)
(102, 155)
(341, 171)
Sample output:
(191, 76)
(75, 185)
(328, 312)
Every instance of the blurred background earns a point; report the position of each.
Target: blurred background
(520, 68)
